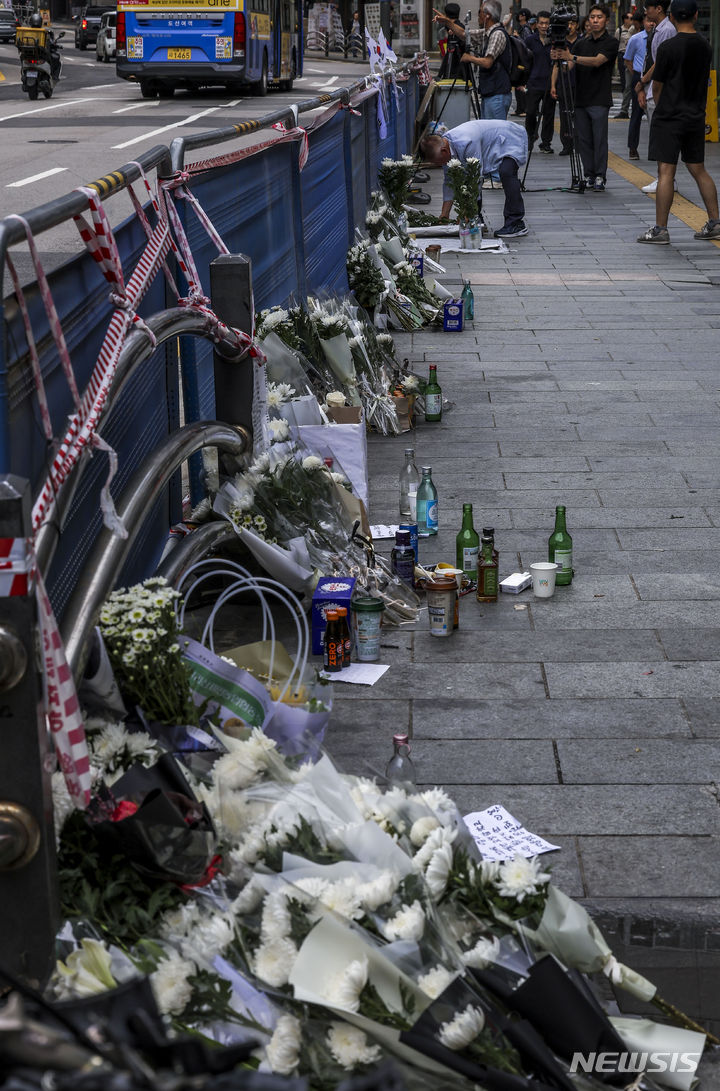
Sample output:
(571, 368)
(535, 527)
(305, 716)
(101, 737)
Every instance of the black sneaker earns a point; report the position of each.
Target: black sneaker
(545, 149)
(620, 117)
(660, 236)
(599, 184)
(565, 151)
(511, 231)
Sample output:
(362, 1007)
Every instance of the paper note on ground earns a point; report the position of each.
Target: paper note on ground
(362, 674)
(380, 530)
(499, 836)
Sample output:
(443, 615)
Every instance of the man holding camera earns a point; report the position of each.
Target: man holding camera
(592, 60)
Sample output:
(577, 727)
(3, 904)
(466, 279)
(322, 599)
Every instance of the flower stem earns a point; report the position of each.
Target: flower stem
(678, 1017)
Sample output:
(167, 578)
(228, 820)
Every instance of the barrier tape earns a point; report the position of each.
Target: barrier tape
(225, 160)
(16, 567)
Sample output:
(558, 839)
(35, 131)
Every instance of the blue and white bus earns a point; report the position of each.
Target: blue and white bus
(239, 44)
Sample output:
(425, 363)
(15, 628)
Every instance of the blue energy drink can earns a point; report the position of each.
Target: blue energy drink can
(412, 530)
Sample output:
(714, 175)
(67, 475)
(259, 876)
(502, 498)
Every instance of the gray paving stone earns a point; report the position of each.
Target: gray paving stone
(639, 761)
(651, 679)
(567, 810)
(703, 716)
(650, 867)
(536, 647)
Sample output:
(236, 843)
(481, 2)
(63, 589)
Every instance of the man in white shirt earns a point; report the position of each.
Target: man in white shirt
(657, 10)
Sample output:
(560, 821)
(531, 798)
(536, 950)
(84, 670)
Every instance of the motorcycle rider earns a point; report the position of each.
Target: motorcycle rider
(51, 46)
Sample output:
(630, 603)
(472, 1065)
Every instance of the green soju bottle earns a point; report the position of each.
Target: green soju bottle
(433, 397)
(467, 544)
(468, 301)
(560, 549)
(427, 505)
(487, 573)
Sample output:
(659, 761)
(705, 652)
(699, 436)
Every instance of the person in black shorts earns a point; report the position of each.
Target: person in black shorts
(680, 80)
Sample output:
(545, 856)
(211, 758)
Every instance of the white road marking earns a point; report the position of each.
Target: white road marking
(315, 71)
(166, 128)
(42, 109)
(35, 177)
(329, 83)
(137, 106)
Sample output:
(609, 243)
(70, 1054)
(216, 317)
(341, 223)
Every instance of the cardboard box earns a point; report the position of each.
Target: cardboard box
(330, 592)
(453, 313)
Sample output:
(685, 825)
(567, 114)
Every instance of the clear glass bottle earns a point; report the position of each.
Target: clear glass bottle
(468, 301)
(433, 397)
(427, 505)
(560, 549)
(409, 481)
(487, 576)
(400, 769)
(467, 544)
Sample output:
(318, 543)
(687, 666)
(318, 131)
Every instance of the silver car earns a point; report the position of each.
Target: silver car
(106, 39)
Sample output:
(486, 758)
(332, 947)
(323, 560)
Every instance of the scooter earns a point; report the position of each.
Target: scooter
(40, 60)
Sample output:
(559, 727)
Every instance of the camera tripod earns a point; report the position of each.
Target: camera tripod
(566, 106)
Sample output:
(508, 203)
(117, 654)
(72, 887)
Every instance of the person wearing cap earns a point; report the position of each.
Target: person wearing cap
(680, 80)
(450, 67)
(502, 147)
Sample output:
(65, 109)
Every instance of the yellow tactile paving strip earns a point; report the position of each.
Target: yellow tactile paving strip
(690, 214)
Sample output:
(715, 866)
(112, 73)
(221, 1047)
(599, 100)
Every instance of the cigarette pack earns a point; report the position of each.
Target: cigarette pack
(516, 583)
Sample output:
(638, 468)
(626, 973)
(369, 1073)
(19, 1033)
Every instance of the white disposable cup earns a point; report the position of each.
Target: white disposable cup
(543, 576)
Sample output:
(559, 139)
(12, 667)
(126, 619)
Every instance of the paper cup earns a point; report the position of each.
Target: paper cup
(543, 577)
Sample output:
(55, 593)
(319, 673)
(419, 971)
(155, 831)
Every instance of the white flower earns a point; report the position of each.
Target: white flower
(349, 1046)
(438, 870)
(489, 871)
(463, 1029)
(179, 922)
(170, 984)
(63, 804)
(274, 961)
(408, 923)
(241, 494)
(410, 384)
(249, 897)
(422, 828)
(343, 898)
(211, 936)
(202, 511)
(519, 877)
(345, 991)
(87, 971)
(339, 478)
(283, 1049)
(312, 462)
(378, 891)
(454, 163)
(275, 923)
(234, 770)
(438, 837)
(483, 954)
(280, 430)
(435, 981)
(439, 801)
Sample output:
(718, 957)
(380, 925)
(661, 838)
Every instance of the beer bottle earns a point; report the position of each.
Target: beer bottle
(344, 635)
(427, 505)
(560, 549)
(487, 576)
(433, 397)
(467, 544)
(333, 645)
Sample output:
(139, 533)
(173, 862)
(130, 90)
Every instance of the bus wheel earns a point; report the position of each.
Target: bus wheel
(261, 87)
(148, 89)
(166, 90)
(287, 85)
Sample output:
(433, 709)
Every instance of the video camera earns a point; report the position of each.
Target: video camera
(560, 17)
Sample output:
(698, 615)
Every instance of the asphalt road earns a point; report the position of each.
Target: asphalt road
(96, 122)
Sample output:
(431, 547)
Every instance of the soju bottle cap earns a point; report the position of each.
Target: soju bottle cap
(401, 739)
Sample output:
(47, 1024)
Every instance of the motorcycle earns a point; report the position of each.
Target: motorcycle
(40, 60)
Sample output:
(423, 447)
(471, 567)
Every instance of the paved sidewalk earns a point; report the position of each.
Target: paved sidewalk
(589, 378)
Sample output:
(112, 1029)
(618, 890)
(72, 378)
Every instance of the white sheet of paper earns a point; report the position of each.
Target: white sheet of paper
(361, 674)
(499, 836)
(380, 530)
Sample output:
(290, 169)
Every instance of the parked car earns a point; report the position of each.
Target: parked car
(106, 39)
(8, 25)
(88, 27)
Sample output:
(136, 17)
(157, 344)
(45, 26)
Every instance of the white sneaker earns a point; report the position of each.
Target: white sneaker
(651, 187)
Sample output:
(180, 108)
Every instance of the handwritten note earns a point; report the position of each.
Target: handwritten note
(499, 836)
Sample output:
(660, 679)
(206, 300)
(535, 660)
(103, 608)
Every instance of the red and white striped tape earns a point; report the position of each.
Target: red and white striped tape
(16, 567)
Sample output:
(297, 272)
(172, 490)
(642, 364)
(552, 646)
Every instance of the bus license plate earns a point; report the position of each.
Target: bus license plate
(179, 54)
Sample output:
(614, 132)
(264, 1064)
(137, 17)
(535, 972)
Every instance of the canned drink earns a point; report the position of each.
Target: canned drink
(412, 530)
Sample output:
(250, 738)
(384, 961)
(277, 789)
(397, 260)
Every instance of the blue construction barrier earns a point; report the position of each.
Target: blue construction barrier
(296, 228)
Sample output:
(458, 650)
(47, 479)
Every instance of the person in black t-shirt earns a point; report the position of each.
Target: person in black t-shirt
(680, 79)
(592, 59)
